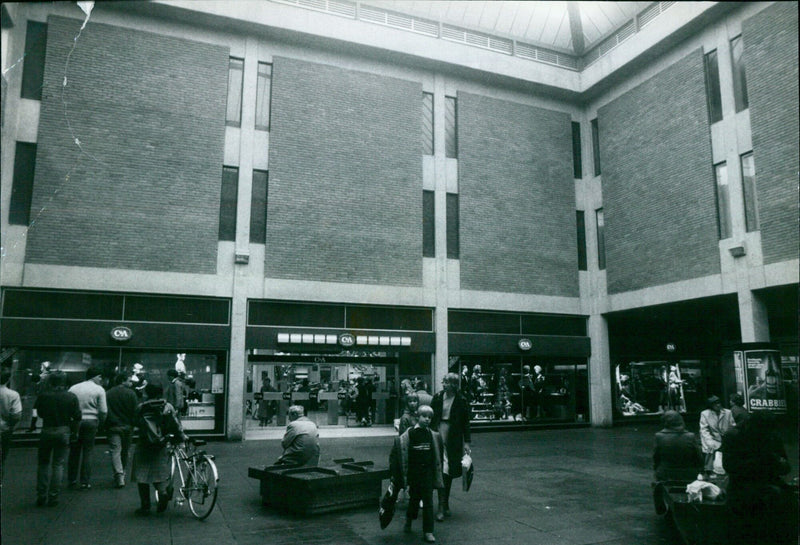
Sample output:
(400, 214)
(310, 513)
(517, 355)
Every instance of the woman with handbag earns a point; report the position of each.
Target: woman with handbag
(451, 420)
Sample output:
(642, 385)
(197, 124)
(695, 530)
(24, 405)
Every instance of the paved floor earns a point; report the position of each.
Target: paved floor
(550, 487)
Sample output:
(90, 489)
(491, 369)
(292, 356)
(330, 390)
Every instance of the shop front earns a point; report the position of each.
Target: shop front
(46, 331)
(343, 363)
(521, 369)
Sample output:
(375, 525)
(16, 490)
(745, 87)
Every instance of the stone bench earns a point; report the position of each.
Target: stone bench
(313, 490)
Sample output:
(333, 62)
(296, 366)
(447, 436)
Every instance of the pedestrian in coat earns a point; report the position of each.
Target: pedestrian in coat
(151, 458)
(416, 462)
(676, 455)
(714, 422)
(451, 420)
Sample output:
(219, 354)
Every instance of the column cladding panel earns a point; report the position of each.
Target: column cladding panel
(658, 185)
(516, 198)
(345, 183)
(770, 56)
(130, 151)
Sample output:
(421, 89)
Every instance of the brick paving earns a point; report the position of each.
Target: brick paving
(545, 487)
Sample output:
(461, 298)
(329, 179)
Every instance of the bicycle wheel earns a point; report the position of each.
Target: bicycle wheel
(201, 488)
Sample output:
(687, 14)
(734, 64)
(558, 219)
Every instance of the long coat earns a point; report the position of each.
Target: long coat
(458, 432)
(151, 462)
(398, 460)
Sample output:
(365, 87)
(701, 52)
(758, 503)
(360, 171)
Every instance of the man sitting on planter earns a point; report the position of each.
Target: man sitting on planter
(301, 441)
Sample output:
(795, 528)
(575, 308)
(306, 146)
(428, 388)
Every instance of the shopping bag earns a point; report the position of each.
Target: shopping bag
(387, 505)
(467, 472)
(718, 468)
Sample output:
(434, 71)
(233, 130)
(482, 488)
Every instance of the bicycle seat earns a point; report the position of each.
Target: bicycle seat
(198, 442)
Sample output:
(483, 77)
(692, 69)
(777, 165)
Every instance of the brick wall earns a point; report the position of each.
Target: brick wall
(149, 112)
(658, 183)
(345, 181)
(516, 198)
(770, 56)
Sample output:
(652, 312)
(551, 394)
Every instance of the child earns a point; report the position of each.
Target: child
(409, 418)
(416, 461)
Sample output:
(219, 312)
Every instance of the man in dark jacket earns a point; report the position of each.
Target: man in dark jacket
(122, 402)
(61, 414)
(677, 455)
(301, 440)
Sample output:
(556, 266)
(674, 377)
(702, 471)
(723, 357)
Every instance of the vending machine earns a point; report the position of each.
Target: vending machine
(754, 371)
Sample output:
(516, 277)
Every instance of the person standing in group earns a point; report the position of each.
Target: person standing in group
(60, 412)
(740, 414)
(451, 420)
(416, 462)
(122, 402)
(10, 415)
(301, 441)
(714, 422)
(92, 399)
(176, 391)
(410, 416)
(156, 419)
(266, 407)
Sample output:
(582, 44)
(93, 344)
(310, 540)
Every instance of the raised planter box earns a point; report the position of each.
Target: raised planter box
(313, 490)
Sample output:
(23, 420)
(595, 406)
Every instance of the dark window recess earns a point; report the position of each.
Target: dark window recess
(601, 239)
(596, 146)
(176, 310)
(33, 65)
(749, 191)
(452, 226)
(48, 304)
(713, 96)
(428, 224)
(233, 115)
(581, 228)
(408, 319)
(542, 324)
(450, 127)
(19, 212)
(739, 79)
(459, 321)
(294, 314)
(263, 95)
(427, 124)
(227, 203)
(577, 167)
(258, 207)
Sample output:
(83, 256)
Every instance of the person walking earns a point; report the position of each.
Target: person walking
(156, 419)
(416, 462)
(60, 412)
(122, 402)
(266, 407)
(92, 399)
(714, 422)
(10, 415)
(410, 415)
(176, 391)
(451, 420)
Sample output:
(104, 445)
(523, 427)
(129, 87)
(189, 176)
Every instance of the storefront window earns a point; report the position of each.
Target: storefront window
(513, 389)
(202, 406)
(652, 387)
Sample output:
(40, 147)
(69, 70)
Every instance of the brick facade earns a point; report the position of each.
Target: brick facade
(658, 183)
(345, 183)
(516, 198)
(770, 56)
(142, 189)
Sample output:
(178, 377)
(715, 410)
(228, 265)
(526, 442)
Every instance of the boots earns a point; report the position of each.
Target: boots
(440, 510)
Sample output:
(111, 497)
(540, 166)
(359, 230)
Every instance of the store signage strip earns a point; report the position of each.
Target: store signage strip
(363, 340)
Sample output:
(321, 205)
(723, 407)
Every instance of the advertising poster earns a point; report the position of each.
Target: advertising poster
(765, 390)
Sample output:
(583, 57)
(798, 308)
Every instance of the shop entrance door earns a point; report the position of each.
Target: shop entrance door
(335, 391)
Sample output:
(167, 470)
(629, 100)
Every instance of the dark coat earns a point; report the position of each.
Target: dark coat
(677, 455)
(459, 432)
(398, 460)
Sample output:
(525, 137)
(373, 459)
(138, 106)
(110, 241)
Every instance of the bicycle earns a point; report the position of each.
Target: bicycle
(193, 474)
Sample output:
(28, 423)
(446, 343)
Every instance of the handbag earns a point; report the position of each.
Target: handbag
(468, 472)
(387, 505)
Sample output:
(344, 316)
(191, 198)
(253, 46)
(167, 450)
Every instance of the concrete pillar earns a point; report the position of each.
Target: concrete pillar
(600, 397)
(753, 318)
